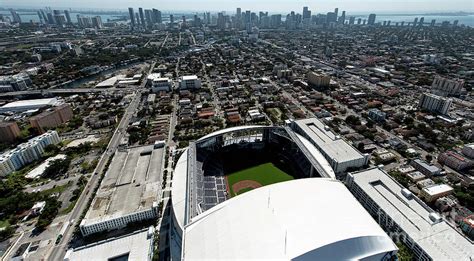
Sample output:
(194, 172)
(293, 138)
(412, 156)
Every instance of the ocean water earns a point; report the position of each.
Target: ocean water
(467, 20)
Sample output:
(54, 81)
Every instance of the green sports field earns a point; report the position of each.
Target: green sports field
(264, 174)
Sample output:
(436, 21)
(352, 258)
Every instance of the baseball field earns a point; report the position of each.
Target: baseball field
(245, 180)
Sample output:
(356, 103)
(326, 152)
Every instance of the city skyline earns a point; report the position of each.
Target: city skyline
(272, 6)
(177, 130)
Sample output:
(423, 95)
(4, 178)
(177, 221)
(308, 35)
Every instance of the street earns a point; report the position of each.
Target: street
(58, 251)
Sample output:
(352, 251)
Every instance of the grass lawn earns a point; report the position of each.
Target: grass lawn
(265, 174)
(4, 223)
(69, 208)
(57, 189)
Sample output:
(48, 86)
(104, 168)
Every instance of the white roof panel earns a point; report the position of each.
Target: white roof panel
(306, 219)
(336, 148)
(136, 246)
(437, 239)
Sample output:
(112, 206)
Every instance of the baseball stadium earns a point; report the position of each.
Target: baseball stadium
(238, 193)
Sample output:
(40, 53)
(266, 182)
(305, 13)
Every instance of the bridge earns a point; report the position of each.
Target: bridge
(63, 91)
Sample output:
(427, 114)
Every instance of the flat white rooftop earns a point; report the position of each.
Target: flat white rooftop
(78, 142)
(317, 156)
(189, 77)
(135, 246)
(336, 148)
(132, 183)
(110, 82)
(38, 171)
(29, 104)
(438, 240)
(437, 189)
(304, 219)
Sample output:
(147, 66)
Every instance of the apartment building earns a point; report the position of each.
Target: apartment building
(27, 152)
(9, 131)
(52, 118)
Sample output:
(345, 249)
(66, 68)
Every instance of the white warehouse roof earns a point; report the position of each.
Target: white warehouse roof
(334, 146)
(24, 105)
(436, 237)
(304, 219)
(135, 246)
(437, 189)
(189, 77)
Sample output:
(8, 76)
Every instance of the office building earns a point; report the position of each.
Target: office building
(340, 154)
(407, 218)
(45, 17)
(351, 20)
(68, 17)
(434, 192)
(59, 18)
(342, 18)
(16, 17)
(51, 18)
(129, 192)
(331, 17)
(422, 21)
(137, 16)
(9, 131)
(371, 20)
(455, 161)
(149, 18)
(467, 226)
(158, 83)
(142, 17)
(377, 115)
(97, 22)
(84, 22)
(434, 103)
(39, 16)
(132, 17)
(318, 80)
(52, 118)
(415, 176)
(189, 82)
(447, 87)
(468, 150)
(425, 168)
(306, 13)
(156, 16)
(17, 82)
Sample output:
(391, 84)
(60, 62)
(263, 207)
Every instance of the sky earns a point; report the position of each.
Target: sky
(387, 6)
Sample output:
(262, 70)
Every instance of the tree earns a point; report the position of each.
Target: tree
(49, 213)
(57, 168)
(408, 120)
(76, 122)
(369, 124)
(51, 149)
(75, 194)
(404, 253)
(428, 157)
(352, 120)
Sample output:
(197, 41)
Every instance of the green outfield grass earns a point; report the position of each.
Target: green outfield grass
(265, 174)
